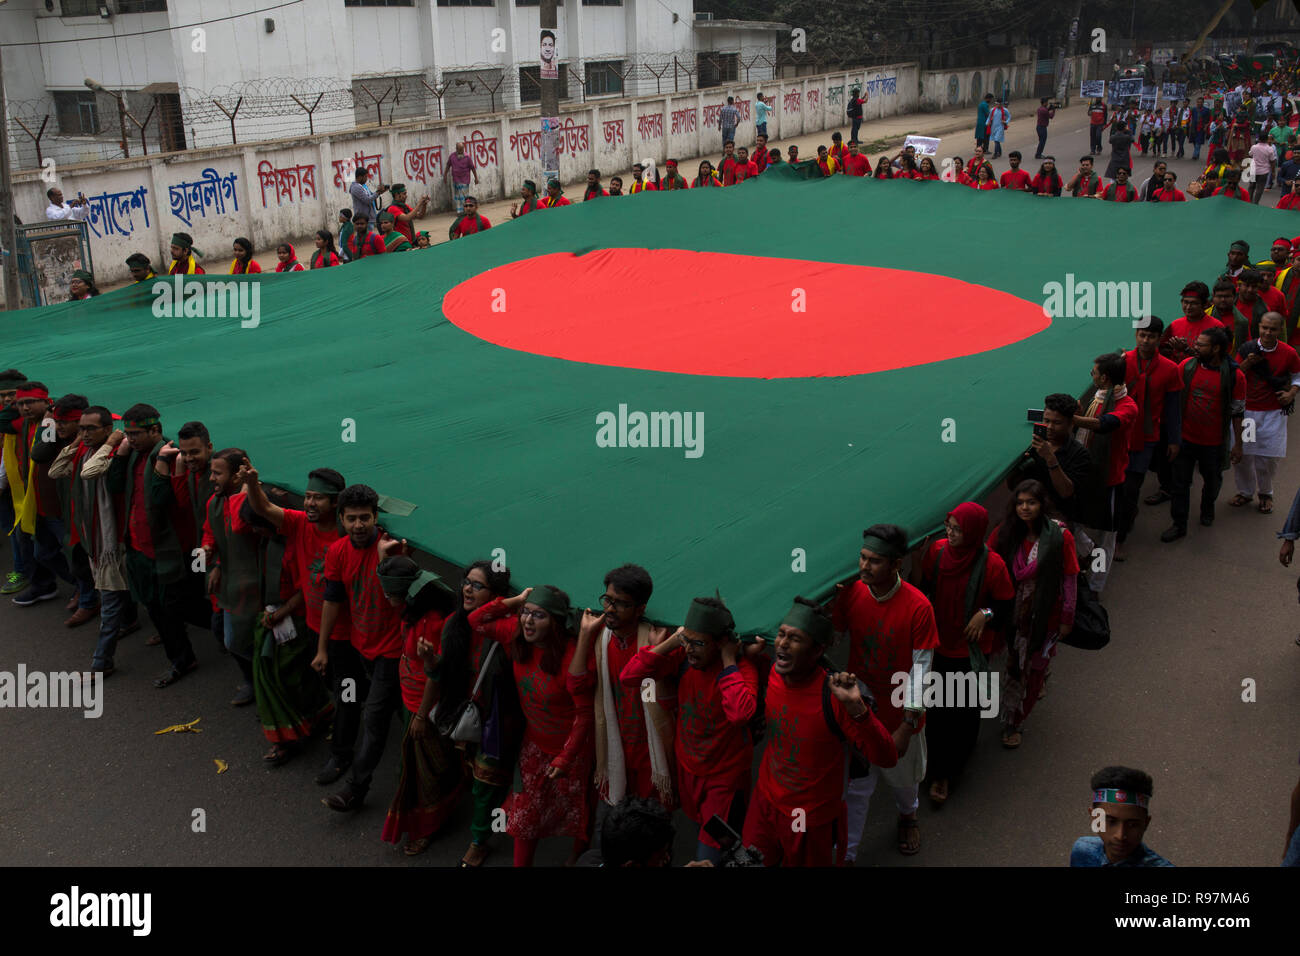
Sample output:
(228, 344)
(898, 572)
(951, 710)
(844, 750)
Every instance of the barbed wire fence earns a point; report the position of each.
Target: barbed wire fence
(88, 127)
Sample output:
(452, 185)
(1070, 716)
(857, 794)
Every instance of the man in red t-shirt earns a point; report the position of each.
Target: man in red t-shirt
(1272, 371)
(1255, 296)
(797, 816)
(364, 241)
(717, 697)
(1178, 341)
(1153, 383)
(1015, 177)
(1214, 398)
(727, 165)
(856, 164)
(351, 580)
(761, 159)
(892, 635)
(743, 168)
(1169, 191)
(308, 535)
(1105, 428)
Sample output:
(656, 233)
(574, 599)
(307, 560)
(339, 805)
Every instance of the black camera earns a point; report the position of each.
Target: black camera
(734, 852)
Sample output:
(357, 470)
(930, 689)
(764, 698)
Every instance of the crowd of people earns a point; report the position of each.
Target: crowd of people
(333, 626)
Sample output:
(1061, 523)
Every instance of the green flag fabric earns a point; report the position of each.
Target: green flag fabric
(862, 351)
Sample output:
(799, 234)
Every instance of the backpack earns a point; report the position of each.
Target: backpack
(855, 109)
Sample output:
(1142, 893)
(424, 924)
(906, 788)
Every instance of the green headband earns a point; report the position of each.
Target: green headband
(84, 276)
(406, 586)
(549, 600)
(179, 239)
(532, 186)
(322, 485)
(141, 422)
(387, 217)
(881, 547)
(705, 619)
(1244, 247)
(1127, 797)
(817, 626)
(397, 188)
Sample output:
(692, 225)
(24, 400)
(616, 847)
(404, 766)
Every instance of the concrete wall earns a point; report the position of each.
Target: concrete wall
(273, 191)
(950, 89)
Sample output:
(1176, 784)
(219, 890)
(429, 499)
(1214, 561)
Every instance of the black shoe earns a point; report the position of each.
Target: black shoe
(30, 596)
(175, 674)
(1173, 533)
(1207, 520)
(243, 696)
(345, 801)
(332, 771)
(1159, 498)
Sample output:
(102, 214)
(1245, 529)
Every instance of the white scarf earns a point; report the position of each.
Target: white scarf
(616, 763)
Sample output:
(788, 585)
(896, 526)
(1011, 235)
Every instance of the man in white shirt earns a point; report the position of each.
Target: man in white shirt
(1263, 159)
(77, 209)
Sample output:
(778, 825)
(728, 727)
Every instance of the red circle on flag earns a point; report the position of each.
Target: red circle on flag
(722, 314)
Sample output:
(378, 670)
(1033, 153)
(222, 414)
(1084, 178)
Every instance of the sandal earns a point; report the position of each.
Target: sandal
(1239, 500)
(416, 847)
(1011, 739)
(153, 641)
(1266, 504)
(939, 792)
(465, 864)
(277, 756)
(909, 836)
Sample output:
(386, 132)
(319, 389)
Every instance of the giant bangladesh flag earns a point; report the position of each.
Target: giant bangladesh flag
(725, 386)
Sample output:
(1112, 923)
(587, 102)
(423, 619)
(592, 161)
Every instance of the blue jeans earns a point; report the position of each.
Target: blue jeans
(1292, 857)
(1042, 141)
(761, 130)
(728, 135)
(112, 607)
(7, 517)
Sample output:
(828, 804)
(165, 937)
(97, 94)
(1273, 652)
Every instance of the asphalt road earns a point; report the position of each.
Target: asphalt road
(1191, 621)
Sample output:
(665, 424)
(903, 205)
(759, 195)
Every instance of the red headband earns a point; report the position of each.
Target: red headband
(26, 391)
(67, 414)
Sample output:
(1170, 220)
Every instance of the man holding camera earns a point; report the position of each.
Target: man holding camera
(1054, 456)
(1153, 383)
(77, 209)
(1046, 111)
(1272, 370)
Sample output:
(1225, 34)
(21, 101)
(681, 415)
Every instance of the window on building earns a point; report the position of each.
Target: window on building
(530, 83)
(78, 113)
(141, 6)
(392, 3)
(714, 69)
(535, 3)
(466, 3)
(80, 8)
(602, 3)
(604, 77)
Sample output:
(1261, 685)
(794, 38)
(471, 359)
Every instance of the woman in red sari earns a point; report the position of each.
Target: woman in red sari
(557, 756)
(1039, 552)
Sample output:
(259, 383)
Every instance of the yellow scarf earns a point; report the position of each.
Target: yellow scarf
(189, 269)
(23, 492)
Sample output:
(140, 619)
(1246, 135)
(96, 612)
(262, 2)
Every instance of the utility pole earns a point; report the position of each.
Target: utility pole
(8, 235)
(1066, 54)
(550, 83)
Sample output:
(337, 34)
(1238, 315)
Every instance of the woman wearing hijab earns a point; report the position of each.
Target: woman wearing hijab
(81, 286)
(183, 256)
(288, 259)
(325, 255)
(1039, 552)
(558, 752)
(431, 778)
(973, 595)
(706, 176)
(528, 193)
(243, 262)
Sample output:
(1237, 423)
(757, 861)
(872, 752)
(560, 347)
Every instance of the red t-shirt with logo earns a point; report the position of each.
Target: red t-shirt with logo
(410, 669)
(857, 165)
(1203, 422)
(558, 708)
(1126, 411)
(305, 545)
(713, 711)
(1016, 179)
(1283, 362)
(803, 762)
(882, 637)
(376, 624)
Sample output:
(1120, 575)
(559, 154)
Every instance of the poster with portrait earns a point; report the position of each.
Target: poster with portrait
(1092, 89)
(549, 58)
(48, 254)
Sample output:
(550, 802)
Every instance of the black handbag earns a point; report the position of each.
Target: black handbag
(1091, 622)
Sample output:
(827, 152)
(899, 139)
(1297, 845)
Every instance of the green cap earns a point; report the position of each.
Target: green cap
(817, 626)
(84, 276)
(707, 619)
